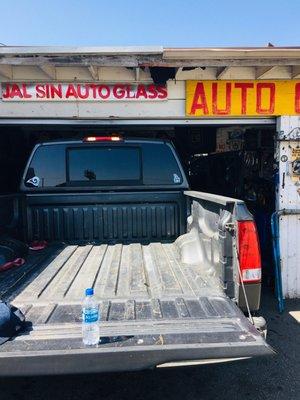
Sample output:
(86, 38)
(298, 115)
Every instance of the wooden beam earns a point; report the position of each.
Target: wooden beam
(146, 61)
(6, 72)
(179, 70)
(221, 72)
(260, 72)
(295, 72)
(48, 70)
(93, 72)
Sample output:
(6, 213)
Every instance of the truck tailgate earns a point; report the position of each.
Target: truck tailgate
(154, 310)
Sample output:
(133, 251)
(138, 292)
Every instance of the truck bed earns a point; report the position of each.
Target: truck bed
(154, 310)
(130, 281)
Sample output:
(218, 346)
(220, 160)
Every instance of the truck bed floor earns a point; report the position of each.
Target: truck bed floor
(131, 282)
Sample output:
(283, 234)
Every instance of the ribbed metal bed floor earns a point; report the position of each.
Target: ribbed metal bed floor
(131, 282)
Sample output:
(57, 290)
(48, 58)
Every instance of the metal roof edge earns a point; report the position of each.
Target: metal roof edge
(231, 52)
(75, 50)
(167, 52)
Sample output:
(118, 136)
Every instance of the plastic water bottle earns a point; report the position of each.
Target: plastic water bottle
(90, 319)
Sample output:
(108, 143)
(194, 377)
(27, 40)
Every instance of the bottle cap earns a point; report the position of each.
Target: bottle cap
(89, 292)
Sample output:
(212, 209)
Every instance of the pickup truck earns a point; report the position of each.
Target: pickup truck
(173, 270)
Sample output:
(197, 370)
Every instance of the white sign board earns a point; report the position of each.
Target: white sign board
(99, 92)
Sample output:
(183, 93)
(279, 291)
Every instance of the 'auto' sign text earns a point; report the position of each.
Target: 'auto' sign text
(242, 98)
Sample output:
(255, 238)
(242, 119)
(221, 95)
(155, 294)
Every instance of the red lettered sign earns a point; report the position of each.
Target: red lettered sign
(242, 98)
(83, 92)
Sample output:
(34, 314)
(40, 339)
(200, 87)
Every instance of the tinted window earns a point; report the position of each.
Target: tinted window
(159, 165)
(47, 167)
(148, 164)
(104, 164)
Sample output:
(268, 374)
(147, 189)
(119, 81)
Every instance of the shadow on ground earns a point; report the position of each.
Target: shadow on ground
(275, 377)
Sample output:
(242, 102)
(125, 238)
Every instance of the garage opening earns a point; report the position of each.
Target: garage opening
(233, 161)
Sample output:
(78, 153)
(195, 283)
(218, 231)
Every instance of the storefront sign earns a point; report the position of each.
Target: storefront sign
(242, 98)
(83, 92)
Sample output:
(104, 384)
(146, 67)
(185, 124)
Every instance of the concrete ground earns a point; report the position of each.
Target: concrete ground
(276, 377)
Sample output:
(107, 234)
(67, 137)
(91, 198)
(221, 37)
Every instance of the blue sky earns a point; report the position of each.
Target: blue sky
(145, 22)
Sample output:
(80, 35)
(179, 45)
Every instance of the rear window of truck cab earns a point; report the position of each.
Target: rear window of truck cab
(78, 165)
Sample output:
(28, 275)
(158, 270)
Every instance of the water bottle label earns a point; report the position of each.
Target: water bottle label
(90, 316)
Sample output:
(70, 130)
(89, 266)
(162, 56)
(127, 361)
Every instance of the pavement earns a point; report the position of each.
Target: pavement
(276, 377)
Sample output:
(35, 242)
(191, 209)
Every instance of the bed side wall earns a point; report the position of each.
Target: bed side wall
(214, 218)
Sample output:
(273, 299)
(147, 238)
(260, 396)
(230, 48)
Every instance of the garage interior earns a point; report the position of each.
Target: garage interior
(234, 161)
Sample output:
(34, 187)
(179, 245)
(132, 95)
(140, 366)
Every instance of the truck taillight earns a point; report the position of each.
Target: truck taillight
(249, 252)
(102, 139)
